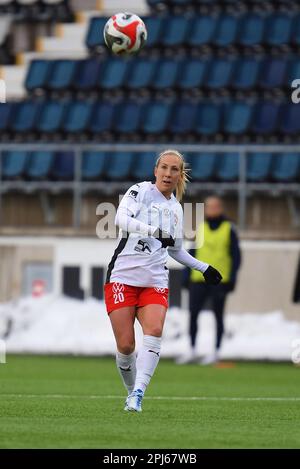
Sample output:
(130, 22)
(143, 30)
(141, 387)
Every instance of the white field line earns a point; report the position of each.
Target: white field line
(160, 398)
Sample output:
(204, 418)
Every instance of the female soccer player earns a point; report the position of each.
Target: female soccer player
(150, 219)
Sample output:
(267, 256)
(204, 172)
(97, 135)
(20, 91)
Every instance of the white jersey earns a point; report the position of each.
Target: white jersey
(139, 259)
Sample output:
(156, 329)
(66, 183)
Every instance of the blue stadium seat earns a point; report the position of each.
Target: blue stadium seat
(228, 167)
(51, 116)
(87, 74)
(93, 165)
(141, 73)
(128, 117)
(192, 73)
(156, 117)
(226, 30)
(278, 29)
(58, 10)
(37, 74)
(94, 35)
(202, 30)
(61, 75)
(113, 74)
(219, 73)
(102, 117)
(39, 165)
(119, 168)
(293, 71)
(203, 2)
(203, 166)
(25, 116)
(286, 167)
(251, 30)
(245, 75)
(259, 166)
(14, 164)
(273, 73)
(237, 117)
(296, 30)
(290, 119)
(154, 25)
(63, 166)
(6, 110)
(180, 2)
(208, 119)
(77, 116)
(175, 31)
(143, 166)
(265, 118)
(154, 3)
(166, 73)
(183, 117)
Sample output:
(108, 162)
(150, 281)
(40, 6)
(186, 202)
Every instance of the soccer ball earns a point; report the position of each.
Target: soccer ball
(125, 33)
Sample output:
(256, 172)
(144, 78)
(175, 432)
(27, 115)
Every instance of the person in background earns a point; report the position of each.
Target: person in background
(220, 248)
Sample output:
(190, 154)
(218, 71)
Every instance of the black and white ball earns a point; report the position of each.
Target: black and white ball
(125, 33)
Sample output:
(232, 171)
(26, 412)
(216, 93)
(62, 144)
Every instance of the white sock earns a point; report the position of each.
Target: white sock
(147, 361)
(126, 365)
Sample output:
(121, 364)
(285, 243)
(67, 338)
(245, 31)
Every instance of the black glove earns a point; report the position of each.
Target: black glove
(230, 286)
(212, 276)
(164, 237)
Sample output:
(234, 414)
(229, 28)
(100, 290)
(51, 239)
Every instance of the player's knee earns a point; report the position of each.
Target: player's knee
(126, 346)
(155, 331)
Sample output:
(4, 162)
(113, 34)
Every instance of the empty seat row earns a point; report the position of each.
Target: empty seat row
(222, 30)
(154, 3)
(177, 118)
(38, 10)
(42, 165)
(118, 166)
(260, 167)
(238, 73)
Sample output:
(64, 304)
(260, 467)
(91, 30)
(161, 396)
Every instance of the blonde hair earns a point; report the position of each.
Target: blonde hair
(184, 176)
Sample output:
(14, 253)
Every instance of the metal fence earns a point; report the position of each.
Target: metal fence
(242, 189)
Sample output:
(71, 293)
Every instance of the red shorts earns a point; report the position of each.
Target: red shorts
(118, 295)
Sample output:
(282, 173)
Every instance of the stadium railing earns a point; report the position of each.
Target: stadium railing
(235, 173)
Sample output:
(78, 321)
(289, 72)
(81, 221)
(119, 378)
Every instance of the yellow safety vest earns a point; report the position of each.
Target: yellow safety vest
(215, 250)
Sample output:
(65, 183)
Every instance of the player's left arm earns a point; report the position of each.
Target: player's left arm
(211, 275)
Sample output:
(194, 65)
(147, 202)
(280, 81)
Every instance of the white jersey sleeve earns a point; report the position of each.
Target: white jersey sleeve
(179, 254)
(128, 209)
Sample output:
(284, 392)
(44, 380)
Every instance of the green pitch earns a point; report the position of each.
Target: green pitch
(69, 402)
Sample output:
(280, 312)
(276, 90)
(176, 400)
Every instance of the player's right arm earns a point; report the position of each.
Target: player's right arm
(127, 211)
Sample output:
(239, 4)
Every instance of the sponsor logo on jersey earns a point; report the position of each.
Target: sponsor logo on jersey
(143, 246)
(133, 194)
(118, 287)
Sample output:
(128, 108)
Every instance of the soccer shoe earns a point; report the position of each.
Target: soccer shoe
(210, 359)
(189, 357)
(134, 401)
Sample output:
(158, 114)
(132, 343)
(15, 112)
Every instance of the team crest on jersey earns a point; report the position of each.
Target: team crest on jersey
(118, 287)
(160, 290)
